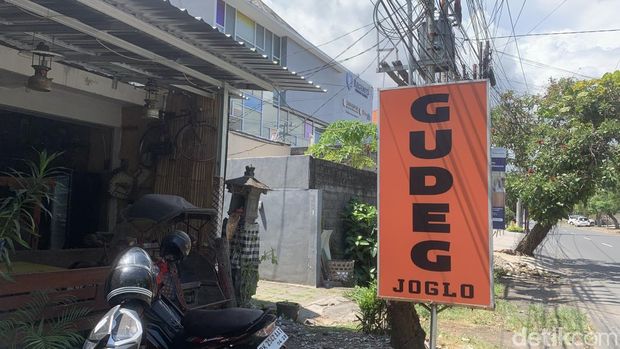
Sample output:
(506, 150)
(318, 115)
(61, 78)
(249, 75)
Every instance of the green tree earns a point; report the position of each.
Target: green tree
(605, 203)
(562, 148)
(347, 142)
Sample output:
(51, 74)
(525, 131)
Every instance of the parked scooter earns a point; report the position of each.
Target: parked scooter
(143, 317)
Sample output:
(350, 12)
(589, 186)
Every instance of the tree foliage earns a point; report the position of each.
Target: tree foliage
(606, 200)
(348, 142)
(564, 144)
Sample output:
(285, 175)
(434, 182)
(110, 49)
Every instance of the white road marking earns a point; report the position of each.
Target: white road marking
(604, 244)
(587, 238)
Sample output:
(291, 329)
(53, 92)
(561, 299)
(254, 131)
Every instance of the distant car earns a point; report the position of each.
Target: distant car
(582, 222)
(572, 219)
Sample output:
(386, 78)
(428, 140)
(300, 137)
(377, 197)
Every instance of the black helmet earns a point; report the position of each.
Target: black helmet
(132, 278)
(175, 245)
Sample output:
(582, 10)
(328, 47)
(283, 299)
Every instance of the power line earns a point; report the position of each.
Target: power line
(340, 54)
(547, 16)
(557, 33)
(527, 88)
(334, 39)
(520, 12)
(544, 65)
(314, 71)
(343, 35)
(539, 23)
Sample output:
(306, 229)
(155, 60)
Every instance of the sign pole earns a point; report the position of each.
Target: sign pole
(433, 334)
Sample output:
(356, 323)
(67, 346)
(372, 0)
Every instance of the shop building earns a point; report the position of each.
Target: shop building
(295, 117)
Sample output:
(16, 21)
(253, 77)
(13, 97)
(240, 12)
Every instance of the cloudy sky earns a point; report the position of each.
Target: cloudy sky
(543, 57)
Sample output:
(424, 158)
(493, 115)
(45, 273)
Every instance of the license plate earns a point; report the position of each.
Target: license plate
(275, 340)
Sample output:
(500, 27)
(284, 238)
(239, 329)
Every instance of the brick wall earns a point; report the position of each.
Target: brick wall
(340, 184)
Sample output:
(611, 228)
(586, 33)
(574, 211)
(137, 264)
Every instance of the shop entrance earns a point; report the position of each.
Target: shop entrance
(78, 209)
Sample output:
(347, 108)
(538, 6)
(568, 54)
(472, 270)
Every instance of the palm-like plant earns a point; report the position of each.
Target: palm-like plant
(27, 328)
(16, 219)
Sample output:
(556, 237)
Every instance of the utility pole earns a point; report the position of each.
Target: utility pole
(410, 39)
(428, 40)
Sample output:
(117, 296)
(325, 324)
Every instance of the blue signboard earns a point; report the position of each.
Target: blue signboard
(499, 218)
(498, 179)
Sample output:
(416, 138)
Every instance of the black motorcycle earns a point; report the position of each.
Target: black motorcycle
(143, 318)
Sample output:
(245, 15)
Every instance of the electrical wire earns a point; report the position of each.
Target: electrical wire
(407, 28)
(314, 71)
(593, 31)
(548, 15)
(122, 55)
(544, 65)
(337, 56)
(333, 40)
(527, 88)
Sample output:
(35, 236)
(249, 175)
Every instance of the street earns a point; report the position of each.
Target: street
(590, 259)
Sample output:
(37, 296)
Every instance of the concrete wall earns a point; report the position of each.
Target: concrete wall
(241, 145)
(294, 231)
(277, 172)
(289, 222)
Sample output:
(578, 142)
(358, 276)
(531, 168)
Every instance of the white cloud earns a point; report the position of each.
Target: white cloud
(588, 54)
(321, 21)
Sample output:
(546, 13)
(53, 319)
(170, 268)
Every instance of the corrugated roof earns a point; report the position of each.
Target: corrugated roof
(21, 29)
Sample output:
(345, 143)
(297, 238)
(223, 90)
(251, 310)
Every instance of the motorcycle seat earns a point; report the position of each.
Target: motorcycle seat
(225, 322)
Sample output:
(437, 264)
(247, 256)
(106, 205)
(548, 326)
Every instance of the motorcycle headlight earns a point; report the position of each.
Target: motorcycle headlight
(102, 329)
(119, 325)
(126, 327)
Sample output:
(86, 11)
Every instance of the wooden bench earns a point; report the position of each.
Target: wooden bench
(84, 286)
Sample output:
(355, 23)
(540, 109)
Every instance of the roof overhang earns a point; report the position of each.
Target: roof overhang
(133, 40)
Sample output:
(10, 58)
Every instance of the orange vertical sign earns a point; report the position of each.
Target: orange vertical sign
(434, 206)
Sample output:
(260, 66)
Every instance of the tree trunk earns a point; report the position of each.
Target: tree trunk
(533, 239)
(613, 218)
(405, 329)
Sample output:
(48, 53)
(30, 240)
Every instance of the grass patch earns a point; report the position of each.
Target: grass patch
(460, 323)
(539, 318)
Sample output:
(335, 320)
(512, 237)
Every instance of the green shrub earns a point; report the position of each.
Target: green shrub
(27, 327)
(512, 227)
(16, 219)
(360, 221)
(372, 316)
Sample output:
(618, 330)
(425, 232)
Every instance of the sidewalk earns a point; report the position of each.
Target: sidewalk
(320, 306)
(505, 240)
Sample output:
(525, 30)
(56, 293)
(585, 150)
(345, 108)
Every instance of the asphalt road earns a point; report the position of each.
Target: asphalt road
(594, 258)
(590, 258)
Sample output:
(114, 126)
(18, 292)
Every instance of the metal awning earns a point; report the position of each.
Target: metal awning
(132, 40)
